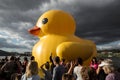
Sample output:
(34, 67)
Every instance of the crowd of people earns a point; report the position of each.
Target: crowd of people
(56, 69)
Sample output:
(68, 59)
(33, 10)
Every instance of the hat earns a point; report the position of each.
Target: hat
(103, 63)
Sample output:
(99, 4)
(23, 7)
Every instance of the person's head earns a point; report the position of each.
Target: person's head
(32, 68)
(25, 59)
(108, 69)
(56, 60)
(63, 60)
(47, 65)
(12, 58)
(32, 58)
(94, 60)
(80, 61)
(18, 58)
(107, 66)
(66, 76)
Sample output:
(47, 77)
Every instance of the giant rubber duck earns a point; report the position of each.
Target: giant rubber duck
(56, 30)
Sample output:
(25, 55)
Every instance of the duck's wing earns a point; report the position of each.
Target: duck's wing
(73, 50)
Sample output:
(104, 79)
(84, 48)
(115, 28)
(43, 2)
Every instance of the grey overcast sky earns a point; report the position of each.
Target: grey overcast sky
(97, 20)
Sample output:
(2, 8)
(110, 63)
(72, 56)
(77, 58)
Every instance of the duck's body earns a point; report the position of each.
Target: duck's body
(56, 29)
(52, 43)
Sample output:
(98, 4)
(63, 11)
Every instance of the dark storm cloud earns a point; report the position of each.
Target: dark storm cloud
(103, 22)
(20, 10)
(22, 5)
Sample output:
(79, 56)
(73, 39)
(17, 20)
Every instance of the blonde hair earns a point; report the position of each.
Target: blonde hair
(32, 68)
(108, 69)
(84, 73)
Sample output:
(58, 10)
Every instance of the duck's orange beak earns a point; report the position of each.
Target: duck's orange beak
(34, 31)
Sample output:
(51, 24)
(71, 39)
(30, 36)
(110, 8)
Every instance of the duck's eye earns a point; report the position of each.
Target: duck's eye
(44, 21)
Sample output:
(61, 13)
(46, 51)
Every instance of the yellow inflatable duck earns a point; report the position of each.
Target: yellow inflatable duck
(56, 29)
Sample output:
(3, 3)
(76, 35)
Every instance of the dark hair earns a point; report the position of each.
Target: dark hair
(57, 59)
(63, 60)
(47, 65)
(32, 58)
(25, 58)
(80, 61)
(12, 58)
(95, 60)
(92, 73)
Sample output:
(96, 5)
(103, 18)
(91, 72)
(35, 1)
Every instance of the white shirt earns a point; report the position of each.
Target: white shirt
(77, 71)
(34, 77)
(29, 78)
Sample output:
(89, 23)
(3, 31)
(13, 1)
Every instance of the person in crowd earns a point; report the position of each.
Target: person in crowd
(58, 70)
(63, 62)
(19, 60)
(67, 66)
(69, 70)
(71, 67)
(67, 76)
(46, 71)
(24, 64)
(14, 77)
(92, 73)
(52, 63)
(19, 65)
(94, 63)
(100, 72)
(6, 58)
(31, 71)
(2, 62)
(109, 69)
(84, 73)
(9, 68)
(77, 69)
(19, 70)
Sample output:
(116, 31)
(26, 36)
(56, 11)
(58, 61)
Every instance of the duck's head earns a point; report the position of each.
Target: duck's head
(54, 22)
